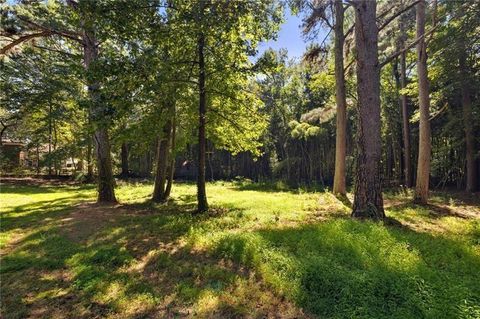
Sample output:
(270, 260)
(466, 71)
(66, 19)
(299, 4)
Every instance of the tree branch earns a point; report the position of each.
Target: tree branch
(64, 33)
(387, 22)
(408, 47)
(24, 38)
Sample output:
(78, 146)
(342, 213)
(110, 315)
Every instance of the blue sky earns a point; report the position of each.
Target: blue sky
(289, 37)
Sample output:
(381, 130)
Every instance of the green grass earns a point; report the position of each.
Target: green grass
(262, 250)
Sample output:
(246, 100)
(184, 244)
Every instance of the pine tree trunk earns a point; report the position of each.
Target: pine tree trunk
(50, 169)
(471, 180)
(407, 163)
(368, 201)
(159, 194)
(171, 169)
(201, 187)
(339, 183)
(106, 192)
(55, 140)
(424, 146)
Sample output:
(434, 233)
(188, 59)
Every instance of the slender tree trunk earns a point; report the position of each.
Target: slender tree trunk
(106, 191)
(368, 201)
(201, 188)
(55, 162)
(407, 162)
(401, 83)
(159, 194)
(424, 146)
(124, 158)
(339, 181)
(171, 169)
(471, 173)
(38, 159)
(50, 138)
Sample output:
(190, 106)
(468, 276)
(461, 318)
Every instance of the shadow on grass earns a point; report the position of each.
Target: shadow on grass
(102, 261)
(345, 268)
(95, 264)
(276, 187)
(432, 211)
(38, 213)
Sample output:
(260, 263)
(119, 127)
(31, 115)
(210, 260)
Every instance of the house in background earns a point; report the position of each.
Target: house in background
(15, 154)
(12, 154)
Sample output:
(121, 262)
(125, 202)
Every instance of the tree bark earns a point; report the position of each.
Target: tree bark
(159, 194)
(124, 158)
(171, 169)
(424, 146)
(55, 162)
(471, 173)
(105, 182)
(368, 201)
(407, 163)
(50, 140)
(202, 110)
(339, 182)
(89, 160)
(402, 84)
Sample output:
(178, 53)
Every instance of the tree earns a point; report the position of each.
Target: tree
(424, 142)
(465, 84)
(319, 12)
(225, 34)
(105, 182)
(407, 165)
(368, 201)
(39, 21)
(339, 182)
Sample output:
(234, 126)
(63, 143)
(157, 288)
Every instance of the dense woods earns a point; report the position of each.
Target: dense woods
(176, 90)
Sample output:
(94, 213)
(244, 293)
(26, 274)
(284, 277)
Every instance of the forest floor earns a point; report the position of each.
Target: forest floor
(262, 252)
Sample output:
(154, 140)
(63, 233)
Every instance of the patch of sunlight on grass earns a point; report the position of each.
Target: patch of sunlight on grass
(51, 294)
(207, 302)
(133, 193)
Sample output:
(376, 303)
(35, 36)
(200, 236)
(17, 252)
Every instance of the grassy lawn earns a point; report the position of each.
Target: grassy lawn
(260, 252)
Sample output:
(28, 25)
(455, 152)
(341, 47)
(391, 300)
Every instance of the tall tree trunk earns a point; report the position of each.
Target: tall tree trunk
(424, 146)
(368, 201)
(401, 83)
(124, 158)
(50, 138)
(202, 110)
(106, 191)
(171, 169)
(339, 183)
(471, 173)
(159, 194)
(55, 140)
(407, 162)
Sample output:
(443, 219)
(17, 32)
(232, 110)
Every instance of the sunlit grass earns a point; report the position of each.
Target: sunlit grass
(261, 250)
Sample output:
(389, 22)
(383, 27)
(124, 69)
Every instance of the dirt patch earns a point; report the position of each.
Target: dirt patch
(87, 219)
